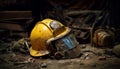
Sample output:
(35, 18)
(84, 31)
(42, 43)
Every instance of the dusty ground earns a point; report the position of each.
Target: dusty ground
(89, 60)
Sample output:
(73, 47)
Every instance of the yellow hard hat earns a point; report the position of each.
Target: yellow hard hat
(43, 32)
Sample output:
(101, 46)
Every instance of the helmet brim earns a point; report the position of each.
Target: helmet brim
(35, 53)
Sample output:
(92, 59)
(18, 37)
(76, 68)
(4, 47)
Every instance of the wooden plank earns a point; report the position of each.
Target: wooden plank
(11, 15)
(77, 12)
(11, 26)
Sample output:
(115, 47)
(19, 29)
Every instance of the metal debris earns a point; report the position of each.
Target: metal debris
(44, 65)
(83, 46)
(31, 60)
(102, 58)
(21, 45)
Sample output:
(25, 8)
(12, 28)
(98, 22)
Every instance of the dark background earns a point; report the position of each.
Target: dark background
(40, 8)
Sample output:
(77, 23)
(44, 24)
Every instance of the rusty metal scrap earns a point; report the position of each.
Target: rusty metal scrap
(103, 38)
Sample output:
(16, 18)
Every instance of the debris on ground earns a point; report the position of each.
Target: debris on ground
(91, 58)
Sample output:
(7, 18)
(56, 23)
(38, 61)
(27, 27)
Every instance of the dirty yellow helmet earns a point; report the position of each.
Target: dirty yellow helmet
(44, 32)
